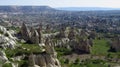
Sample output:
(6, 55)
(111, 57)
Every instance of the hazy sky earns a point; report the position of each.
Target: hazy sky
(65, 3)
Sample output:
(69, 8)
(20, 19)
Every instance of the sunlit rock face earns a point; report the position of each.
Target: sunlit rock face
(3, 30)
(3, 57)
(46, 59)
(7, 40)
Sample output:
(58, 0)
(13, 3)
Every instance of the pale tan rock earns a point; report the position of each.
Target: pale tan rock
(3, 57)
(7, 40)
(47, 59)
(49, 47)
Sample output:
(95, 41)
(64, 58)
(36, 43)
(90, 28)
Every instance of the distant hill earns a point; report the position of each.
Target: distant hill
(38, 9)
(25, 9)
(86, 8)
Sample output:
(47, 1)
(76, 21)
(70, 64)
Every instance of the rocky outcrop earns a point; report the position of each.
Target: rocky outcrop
(82, 46)
(78, 41)
(25, 32)
(83, 34)
(61, 34)
(35, 37)
(47, 59)
(32, 35)
(72, 34)
(3, 30)
(43, 60)
(39, 30)
(7, 40)
(61, 43)
(116, 43)
(3, 57)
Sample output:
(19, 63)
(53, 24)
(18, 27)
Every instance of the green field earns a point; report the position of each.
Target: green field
(100, 47)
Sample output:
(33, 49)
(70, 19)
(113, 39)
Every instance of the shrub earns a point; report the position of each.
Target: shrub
(7, 65)
(1, 32)
(6, 34)
(66, 61)
(77, 61)
(97, 61)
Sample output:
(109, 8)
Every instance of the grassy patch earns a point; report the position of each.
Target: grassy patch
(17, 29)
(100, 47)
(23, 49)
(32, 47)
(96, 65)
(7, 65)
(63, 51)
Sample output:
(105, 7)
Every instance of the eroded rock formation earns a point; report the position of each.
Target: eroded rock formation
(3, 57)
(116, 43)
(35, 37)
(6, 39)
(39, 30)
(82, 46)
(47, 59)
(25, 32)
(78, 40)
(32, 35)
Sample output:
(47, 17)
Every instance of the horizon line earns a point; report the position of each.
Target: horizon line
(65, 6)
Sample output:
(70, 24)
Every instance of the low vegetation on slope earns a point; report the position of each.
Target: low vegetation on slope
(100, 47)
(23, 49)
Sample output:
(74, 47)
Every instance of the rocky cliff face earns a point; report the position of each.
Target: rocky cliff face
(31, 35)
(116, 43)
(3, 57)
(25, 32)
(7, 40)
(35, 37)
(43, 60)
(47, 59)
(79, 41)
